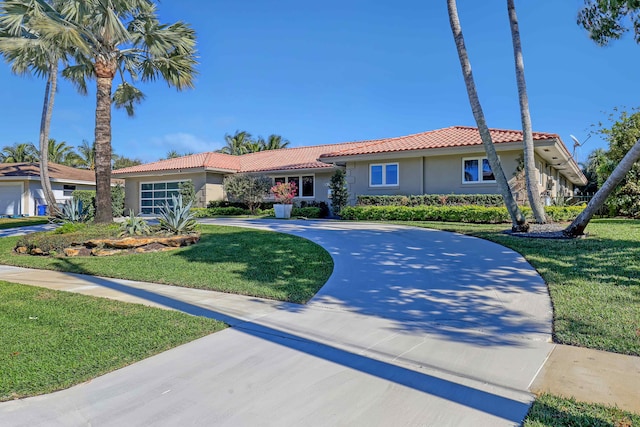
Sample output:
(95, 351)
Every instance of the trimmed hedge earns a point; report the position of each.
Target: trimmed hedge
(472, 214)
(226, 211)
(488, 200)
(266, 207)
(307, 212)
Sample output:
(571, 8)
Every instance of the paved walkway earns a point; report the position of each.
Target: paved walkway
(414, 327)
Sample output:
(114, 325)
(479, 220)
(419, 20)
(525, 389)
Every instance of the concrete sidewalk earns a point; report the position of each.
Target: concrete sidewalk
(413, 327)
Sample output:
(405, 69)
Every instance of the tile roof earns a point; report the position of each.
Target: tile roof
(309, 157)
(454, 136)
(290, 158)
(262, 161)
(56, 172)
(208, 160)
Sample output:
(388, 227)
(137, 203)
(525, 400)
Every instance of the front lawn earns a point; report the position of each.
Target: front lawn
(594, 282)
(554, 411)
(52, 340)
(22, 222)
(228, 259)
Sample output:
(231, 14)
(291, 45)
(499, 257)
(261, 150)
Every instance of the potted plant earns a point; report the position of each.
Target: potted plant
(284, 194)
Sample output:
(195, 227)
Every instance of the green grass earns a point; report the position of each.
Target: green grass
(228, 259)
(554, 411)
(21, 222)
(52, 340)
(594, 282)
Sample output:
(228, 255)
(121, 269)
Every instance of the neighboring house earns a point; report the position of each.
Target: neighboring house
(21, 192)
(443, 161)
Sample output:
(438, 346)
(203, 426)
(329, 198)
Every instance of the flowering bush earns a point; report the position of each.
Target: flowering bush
(284, 193)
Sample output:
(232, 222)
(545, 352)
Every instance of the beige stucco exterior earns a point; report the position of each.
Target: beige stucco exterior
(133, 185)
(443, 174)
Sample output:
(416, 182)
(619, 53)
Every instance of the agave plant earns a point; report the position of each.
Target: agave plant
(73, 211)
(134, 226)
(176, 217)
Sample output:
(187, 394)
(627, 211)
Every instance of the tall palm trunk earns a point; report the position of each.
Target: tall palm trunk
(527, 132)
(45, 125)
(576, 228)
(518, 221)
(105, 71)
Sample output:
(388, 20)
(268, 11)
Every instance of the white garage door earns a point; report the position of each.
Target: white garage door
(10, 197)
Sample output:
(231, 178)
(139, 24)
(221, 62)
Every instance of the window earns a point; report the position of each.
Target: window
(67, 190)
(384, 175)
(477, 170)
(305, 184)
(154, 195)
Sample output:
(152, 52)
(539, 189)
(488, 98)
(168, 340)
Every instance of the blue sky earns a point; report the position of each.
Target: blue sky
(337, 71)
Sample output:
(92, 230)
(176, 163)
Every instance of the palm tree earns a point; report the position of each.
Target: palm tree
(25, 152)
(23, 44)
(124, 38)
(237, 144)
(120, 162)
(577, 227)
(87, 156)
(529, 157)
(274, 142)
(61, 153)
(518, 220)
(173, 154)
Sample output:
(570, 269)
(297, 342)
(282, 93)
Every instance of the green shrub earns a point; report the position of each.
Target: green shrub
(307, 212)
(323, 206)
(241, 205)
(117, 201)
(70, 227)
(472, 214)
(488, 200)
(88, 199)
(227, 211)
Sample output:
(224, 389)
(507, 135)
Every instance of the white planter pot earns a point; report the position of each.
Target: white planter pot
(282, 211)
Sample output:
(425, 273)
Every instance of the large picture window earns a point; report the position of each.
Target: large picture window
(384, 175)
(477, 170)
(154, 195)
(305, 184)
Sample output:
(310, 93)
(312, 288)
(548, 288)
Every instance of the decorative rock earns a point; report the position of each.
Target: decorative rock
(104, 252)
(36, 251)
(71, 251)
(136, 242)
(22, 249)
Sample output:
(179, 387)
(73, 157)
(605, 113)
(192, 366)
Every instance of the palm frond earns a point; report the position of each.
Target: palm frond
(78, 74)
(127, 96)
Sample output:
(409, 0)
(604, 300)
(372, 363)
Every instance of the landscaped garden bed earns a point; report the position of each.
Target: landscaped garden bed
(77, 244)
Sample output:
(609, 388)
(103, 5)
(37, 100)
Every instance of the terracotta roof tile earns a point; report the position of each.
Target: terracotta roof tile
(308, 157)
(202, 160)
(56, 172)
(455, 136)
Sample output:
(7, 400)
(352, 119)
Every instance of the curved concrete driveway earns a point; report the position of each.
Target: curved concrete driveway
(414, 327)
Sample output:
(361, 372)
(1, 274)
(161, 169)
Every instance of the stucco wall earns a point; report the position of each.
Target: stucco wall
(410, 178)
(214, 189)
(428, 175)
